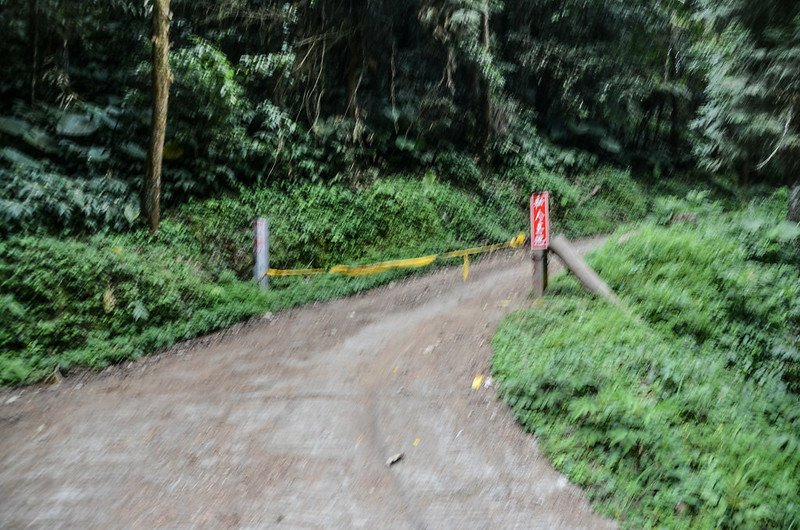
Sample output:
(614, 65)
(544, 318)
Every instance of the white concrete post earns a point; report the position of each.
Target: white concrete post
(261, 244)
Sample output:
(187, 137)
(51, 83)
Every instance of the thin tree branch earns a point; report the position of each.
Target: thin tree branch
(760, 166)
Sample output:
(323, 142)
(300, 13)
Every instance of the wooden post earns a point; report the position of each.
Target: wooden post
(261, 240)
(540, 240)
(539, 259)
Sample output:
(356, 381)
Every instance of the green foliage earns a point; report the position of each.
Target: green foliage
(458, 168)
(682, 411)
(320, 225)
(269, 92)
(32, 198)
(525, 144)
(70, 304)
(610, 199)
(89, 302)
(659, 433)
(588, 204)
(61, 172)
(699, 284)
(207, 141)
(750, 58)
(207, 107)
(103, 300)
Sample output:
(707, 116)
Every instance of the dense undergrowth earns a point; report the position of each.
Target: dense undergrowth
(682, 410)
(89, 301)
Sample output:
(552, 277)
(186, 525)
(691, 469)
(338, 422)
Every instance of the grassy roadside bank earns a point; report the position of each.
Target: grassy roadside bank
(683, 412)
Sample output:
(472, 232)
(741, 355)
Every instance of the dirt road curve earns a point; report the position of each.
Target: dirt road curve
(289, 423)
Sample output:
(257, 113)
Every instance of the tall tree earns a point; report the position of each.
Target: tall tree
(751, 58)
(33, 38)
(486, 96)
(161, 79)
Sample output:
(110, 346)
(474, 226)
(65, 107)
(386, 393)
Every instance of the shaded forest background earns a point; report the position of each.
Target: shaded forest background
(346, 91)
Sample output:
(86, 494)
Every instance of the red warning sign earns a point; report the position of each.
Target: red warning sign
(540, 221)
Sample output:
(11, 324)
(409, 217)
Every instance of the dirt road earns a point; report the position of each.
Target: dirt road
(289, 422)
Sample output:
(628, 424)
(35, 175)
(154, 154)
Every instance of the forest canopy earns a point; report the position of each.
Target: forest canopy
(345, 91)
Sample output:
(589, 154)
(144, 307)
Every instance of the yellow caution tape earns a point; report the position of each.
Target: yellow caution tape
(411, 263)
(295, 272)
(519, 240)
(375, 268)
(475, 250)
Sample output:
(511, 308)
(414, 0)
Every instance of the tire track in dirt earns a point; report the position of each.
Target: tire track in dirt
(288, 422)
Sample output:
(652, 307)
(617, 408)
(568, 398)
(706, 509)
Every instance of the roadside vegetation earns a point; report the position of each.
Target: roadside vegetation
(680, 410)
(88, 301)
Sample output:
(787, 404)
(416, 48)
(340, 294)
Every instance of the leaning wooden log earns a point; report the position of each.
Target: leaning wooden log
(585, 274)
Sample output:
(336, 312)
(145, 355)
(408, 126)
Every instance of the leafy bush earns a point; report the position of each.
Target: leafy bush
(318, 225)
(207, 145)
(524, 144)
(32, 199)
(614, 193)
(592, 203)
(57, 172)
(458, 168)
(710, 282)
(662, 435)
(685, 416)
(564, 195)
(68, 304)
(696, 203)
(104, 300)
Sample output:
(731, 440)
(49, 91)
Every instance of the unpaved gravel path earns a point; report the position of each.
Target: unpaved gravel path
(289, 422)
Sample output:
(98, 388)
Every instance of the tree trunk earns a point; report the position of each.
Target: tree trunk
(486, 96)
(744, 173)
(673, 131)
(641, 129)
(355, 63)
(670, 73)
(392, 80)
(794, 204)
(158, 125)
(33, 39)
(659, 112)
(354, 74)
(673, 103)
